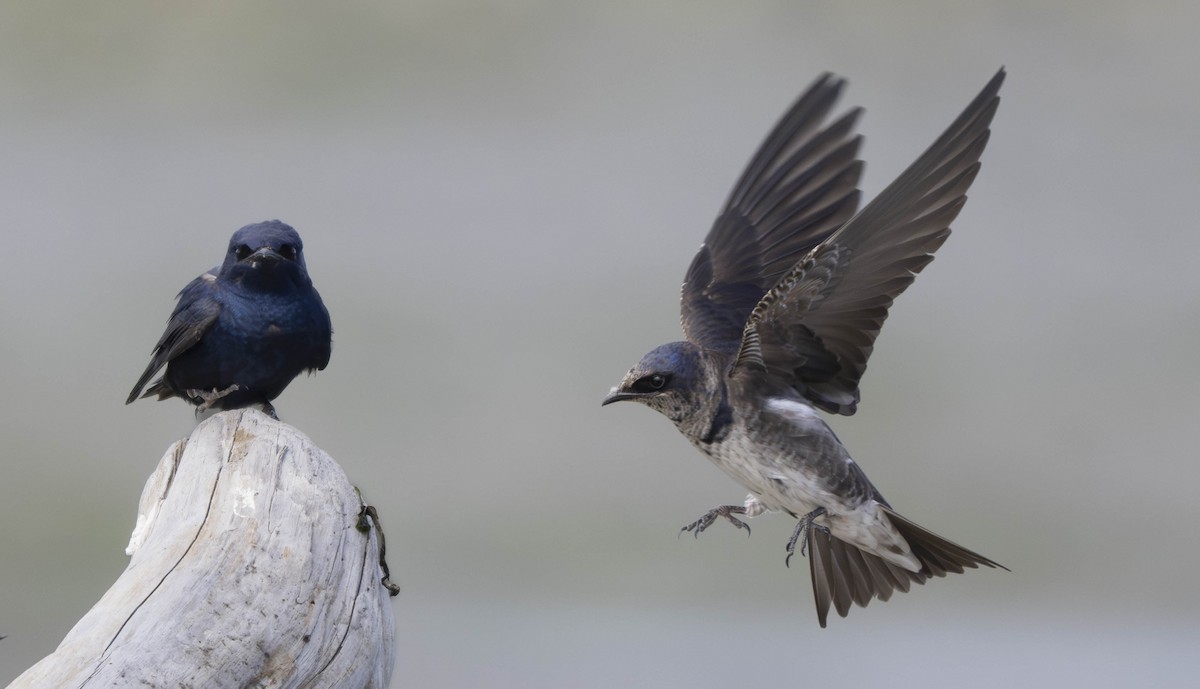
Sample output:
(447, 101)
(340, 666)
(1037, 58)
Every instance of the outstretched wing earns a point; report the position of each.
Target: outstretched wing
(816, 328)
(195, 313)
(799, 187)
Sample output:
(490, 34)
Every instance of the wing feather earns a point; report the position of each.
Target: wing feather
(193, 316)
(816, 328)
(799, 187)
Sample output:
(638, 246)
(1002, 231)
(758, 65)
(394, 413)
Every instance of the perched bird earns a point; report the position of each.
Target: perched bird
(242, 331)
(781, 308)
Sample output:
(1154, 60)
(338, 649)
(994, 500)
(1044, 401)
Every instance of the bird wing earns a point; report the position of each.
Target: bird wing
(193, 316)
(816, 328)
(326, 349)
(799, 187)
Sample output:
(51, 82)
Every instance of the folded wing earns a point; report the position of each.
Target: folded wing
(195, 313)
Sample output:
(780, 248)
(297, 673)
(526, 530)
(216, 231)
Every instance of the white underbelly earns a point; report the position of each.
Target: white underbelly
(780, 484)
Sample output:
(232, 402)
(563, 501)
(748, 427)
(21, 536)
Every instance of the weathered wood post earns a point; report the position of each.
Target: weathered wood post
(251, 567)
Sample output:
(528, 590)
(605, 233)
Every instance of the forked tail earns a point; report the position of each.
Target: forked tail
(843, 574)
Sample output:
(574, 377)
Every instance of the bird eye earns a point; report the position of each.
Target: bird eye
(241, 252)
(651, 383)
(288, 251)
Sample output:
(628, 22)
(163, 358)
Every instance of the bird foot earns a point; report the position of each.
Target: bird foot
(800, 535)
(727, 511)
(209, 398)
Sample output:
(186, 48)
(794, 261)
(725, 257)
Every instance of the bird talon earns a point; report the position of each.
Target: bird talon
(726, 511)
(800, 535)
(697, 526)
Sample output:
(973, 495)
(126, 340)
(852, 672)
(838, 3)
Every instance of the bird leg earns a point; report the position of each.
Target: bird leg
(801, 534)
(727, 511)
(209, 398)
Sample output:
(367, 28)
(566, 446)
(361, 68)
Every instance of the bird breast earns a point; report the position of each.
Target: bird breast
(786, 455)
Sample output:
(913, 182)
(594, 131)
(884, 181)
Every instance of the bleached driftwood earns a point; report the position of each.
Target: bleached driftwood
(252, 566)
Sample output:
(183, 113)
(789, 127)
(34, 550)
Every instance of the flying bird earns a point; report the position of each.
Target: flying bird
(242, 331)
(780, 310)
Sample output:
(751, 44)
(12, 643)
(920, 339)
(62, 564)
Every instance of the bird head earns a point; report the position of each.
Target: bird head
(672, 379)
(267, 255)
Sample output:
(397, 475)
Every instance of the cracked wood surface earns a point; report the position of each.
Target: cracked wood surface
(246, 570)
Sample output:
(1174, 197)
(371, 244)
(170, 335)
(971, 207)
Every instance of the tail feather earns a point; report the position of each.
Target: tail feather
(933, 550)
(860, 573)
(889, 581)
(159, 388)
(843, 574)
(819, 563)
(843, 595)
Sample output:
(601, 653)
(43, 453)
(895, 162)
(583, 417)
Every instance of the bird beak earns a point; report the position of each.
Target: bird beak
(616, 395)
(265, 254)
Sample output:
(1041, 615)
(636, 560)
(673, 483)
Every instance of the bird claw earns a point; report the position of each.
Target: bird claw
(727, 511)
(209, 398)
(800, 535)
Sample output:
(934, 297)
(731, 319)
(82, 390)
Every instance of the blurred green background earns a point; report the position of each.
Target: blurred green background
(498, 202)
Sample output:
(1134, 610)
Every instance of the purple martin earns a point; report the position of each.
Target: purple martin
(781, 308)
(242, 331)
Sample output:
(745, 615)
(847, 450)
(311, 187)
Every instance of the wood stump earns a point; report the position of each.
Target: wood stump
(252, 565)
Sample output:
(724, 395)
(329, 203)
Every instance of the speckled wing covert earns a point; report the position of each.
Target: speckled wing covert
(195, 313)
(816, 328)
(799, 187)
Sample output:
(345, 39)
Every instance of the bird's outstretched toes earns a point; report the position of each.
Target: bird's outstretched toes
(727, 511)
(800, 535)
(209, 397)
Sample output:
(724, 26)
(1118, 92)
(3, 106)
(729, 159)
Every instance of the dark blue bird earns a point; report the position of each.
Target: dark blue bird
(242, 331)
(781, 308)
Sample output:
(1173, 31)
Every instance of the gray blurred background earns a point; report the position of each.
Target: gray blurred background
(498, 202)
